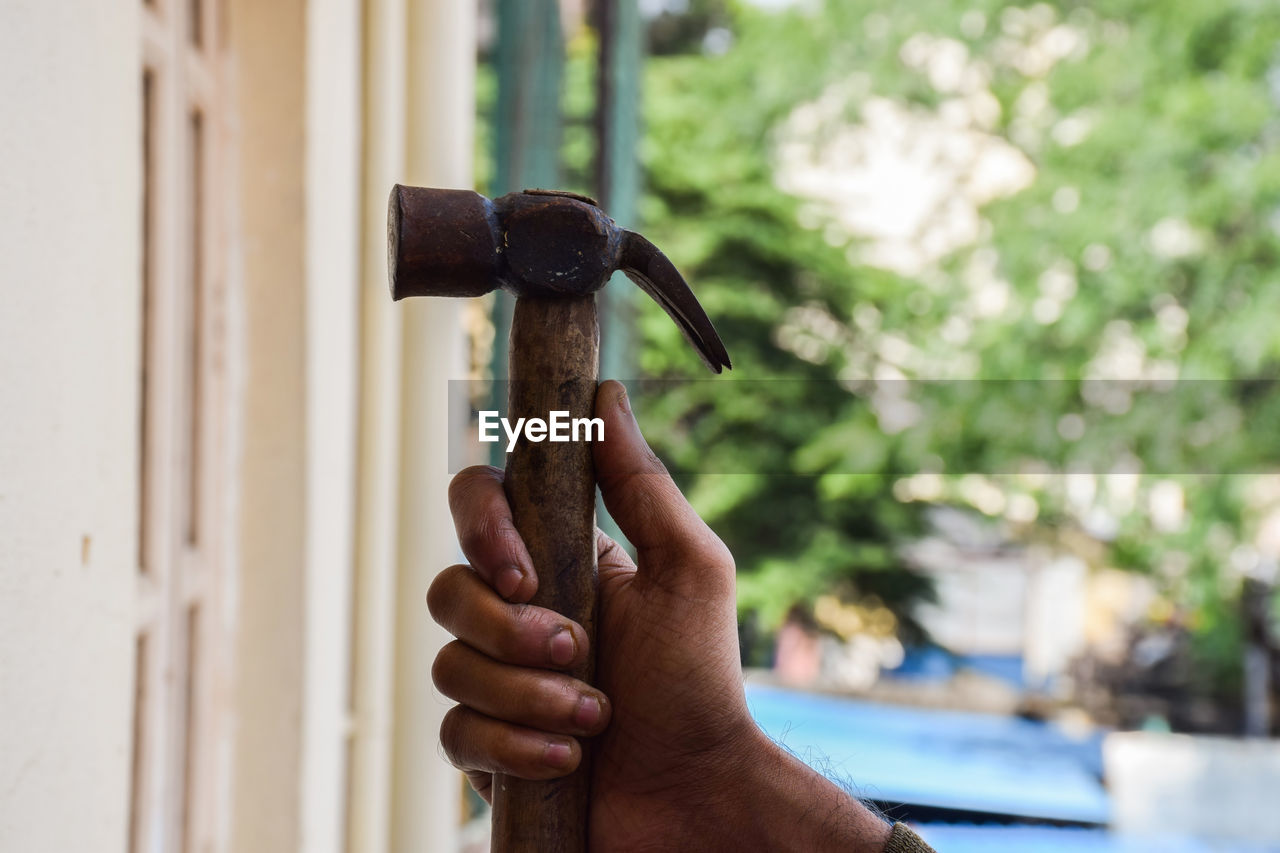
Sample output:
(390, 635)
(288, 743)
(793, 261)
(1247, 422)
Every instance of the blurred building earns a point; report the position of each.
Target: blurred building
(1019, 613)
(1009, 621)
(223, 450)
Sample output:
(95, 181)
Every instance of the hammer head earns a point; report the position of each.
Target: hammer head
(536, 243)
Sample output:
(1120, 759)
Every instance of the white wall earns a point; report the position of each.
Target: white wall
(70, 212)
(378, 481)
(268, 359)
(440, 113)
(333, 237)
(69, 328)
(1208, 787)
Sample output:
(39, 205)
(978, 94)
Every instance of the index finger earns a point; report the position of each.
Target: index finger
(488, 535)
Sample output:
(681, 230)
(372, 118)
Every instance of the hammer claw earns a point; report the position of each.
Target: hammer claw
(654, 273)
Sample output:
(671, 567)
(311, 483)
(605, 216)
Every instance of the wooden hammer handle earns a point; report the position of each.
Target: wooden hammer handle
(551, 488)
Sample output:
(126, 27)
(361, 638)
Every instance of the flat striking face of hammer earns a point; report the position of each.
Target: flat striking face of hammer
(534, 243)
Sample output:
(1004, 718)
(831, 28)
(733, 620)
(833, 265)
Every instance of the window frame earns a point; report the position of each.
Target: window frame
(181, 635)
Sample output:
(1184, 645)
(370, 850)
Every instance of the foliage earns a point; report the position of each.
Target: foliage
(1142, 245)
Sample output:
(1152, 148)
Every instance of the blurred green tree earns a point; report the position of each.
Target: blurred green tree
(1073, 193)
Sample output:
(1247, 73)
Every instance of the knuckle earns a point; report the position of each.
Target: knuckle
(652, 464)
(505, 533)
(473, 540)
(519, 635)
(445, 669)
(719, 554)
(525, 616)
(721, 572)
(442, 595)
(468, 480)
(453, 737)
(719, 584)
(488, 535)
(703, 546)
(550, 704)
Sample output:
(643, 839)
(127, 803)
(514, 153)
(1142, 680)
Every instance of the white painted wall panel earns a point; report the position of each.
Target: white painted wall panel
(69, 329)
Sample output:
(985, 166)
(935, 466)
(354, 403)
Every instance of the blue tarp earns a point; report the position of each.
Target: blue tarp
(930, 663)
(982, 763)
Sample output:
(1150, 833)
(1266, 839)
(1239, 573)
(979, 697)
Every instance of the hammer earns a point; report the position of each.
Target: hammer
(552, 250)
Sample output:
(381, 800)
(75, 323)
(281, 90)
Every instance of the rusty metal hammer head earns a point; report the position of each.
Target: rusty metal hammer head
(536, 243)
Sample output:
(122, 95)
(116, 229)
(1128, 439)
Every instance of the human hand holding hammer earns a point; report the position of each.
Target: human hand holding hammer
(678, 762)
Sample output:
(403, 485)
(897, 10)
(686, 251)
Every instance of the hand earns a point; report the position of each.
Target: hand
(678, 761)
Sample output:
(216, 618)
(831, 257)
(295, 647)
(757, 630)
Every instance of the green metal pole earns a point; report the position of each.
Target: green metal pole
(530, 66)
(617, 181)
(617, 170)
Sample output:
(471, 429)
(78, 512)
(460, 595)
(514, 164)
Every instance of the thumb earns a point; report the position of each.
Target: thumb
(644, 500)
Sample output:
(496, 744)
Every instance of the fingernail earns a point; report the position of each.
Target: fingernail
(588, 712)
(558, 754)
(563, 648)
(624, 402)
(508, 581)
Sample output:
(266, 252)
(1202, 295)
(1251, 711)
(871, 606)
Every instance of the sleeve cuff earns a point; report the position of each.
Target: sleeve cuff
(903, 840)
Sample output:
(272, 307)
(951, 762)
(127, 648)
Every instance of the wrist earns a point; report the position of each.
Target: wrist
(769, 799)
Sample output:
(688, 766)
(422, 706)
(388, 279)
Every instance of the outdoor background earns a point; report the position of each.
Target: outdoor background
(1000, 286)
(997, 460)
